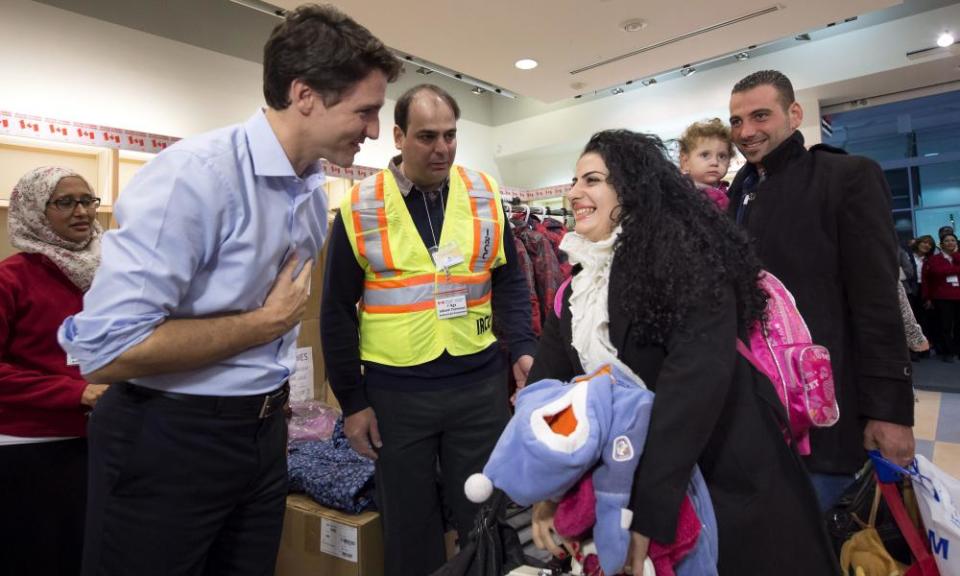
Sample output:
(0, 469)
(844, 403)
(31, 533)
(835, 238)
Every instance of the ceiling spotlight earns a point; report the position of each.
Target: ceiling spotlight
(526, 64)
(424, 71)
(687, 70)
(741, 56)
(633, 25)
(944, 40)
(617, 91)
(648, 82)
(478, 90)
(802, 37)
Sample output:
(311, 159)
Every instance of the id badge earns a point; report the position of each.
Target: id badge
(71, 361)
(447, 256)
(953, 280)
(451, 303)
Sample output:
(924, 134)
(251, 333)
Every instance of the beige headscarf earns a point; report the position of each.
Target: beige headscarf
(30, 231)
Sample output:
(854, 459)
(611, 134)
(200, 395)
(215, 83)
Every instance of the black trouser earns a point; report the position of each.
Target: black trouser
(949, 313)
(43, 491)
(456, 427)
(183, 487)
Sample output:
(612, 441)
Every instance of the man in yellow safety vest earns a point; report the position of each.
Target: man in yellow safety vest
(424, 247)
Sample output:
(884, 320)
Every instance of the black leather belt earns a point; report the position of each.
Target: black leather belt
(255, 406)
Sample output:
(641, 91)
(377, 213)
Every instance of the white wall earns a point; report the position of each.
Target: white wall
(61, 65)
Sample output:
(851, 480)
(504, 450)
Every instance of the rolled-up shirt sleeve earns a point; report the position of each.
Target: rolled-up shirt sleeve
(171, 217)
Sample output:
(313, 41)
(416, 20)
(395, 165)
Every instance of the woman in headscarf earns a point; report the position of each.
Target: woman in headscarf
(43, 398)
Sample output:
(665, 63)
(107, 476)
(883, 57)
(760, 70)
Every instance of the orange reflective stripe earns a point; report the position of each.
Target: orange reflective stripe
(398, 309)
(482, 300)
(382, 223)
(401, 283)
(357, 226)
(466, 179)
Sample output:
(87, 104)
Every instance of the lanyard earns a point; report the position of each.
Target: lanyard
(427, 209)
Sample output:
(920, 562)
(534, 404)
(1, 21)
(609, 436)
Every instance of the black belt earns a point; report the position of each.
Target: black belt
(255, 406)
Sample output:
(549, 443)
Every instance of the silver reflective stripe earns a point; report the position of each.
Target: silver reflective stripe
(484, 251)
(365, 204)
(409, 295)
(474, 291)
(481, 194)
(368, 209)
(401, 296)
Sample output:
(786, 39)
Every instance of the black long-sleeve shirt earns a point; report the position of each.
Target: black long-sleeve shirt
(339, 323)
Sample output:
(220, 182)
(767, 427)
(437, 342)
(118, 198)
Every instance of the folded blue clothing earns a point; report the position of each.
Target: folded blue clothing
(332, 473)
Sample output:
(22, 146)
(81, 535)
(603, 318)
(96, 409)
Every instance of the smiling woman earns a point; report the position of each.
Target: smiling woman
(43, 398)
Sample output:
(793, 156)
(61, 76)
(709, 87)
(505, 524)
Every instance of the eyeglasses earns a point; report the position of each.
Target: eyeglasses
(69, 203)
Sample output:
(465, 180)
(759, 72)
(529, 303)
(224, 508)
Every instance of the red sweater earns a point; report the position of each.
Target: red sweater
(39, 393)
(936, 270)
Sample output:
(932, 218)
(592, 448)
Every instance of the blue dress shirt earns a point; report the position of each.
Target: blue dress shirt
(204, 229)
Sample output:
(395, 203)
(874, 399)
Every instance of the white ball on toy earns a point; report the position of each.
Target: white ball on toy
(478, 488)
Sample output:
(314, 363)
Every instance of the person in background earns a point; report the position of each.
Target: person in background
(919, 250)
(821, 222)
(705, 154)
(43, 398)
(196, 311)
(944, 230)
(941, 292)
(663, 286)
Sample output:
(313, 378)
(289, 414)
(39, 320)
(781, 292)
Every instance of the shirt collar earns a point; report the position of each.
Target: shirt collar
(403, 183)
(267, 154)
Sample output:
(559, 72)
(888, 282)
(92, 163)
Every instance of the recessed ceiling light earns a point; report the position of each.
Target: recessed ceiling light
(526, 64)
(687, 71)
(944, 40)
(633, 25)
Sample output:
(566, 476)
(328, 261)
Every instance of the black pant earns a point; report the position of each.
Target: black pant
(949, 314)
(457, 428)
(43, 492)
(181, 489)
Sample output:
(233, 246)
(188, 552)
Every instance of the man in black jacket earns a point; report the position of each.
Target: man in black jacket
(821, 223)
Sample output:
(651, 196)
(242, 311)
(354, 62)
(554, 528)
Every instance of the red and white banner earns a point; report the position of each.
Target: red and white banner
(509, 193)
(27, 126)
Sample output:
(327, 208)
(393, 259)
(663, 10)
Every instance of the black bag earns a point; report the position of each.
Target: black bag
(852, 511)
(491, 549)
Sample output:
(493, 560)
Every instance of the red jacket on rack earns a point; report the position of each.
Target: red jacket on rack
(39, 394)
(941, 278)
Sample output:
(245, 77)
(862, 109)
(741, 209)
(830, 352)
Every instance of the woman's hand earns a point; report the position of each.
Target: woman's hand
(543, 529)
(639, 544)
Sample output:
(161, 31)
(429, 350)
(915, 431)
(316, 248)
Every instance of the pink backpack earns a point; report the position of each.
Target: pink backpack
(782, 349)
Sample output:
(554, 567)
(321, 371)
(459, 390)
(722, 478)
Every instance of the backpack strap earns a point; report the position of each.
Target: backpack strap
(558, 297)
(744, 351)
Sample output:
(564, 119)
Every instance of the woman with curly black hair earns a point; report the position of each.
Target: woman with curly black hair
(664, 285)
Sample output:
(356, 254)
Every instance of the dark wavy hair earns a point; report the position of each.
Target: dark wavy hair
(676, 249)
(326, 49)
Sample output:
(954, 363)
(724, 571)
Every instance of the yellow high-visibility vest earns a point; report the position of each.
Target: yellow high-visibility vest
(399, 322)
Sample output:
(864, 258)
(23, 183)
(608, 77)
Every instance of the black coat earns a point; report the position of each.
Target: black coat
(711, 408)
(822, 224)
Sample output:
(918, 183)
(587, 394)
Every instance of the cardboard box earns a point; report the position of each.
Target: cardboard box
(318, 541)
(310, 338)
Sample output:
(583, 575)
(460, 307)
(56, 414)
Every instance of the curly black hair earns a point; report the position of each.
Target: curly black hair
(676, 248)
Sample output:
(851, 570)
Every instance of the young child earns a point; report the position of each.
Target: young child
(705, 153)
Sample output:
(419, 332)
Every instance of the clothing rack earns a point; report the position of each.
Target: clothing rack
(515, 207)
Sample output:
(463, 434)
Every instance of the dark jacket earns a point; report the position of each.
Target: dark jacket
(910, 272)
(712, 409)
(821, 223)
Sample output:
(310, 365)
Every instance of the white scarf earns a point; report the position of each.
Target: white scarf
(588, 301)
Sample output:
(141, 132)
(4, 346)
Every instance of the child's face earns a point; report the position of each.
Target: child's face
(707, 163)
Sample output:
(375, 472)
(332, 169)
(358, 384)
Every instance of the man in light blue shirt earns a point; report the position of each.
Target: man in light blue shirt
(195, 311)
